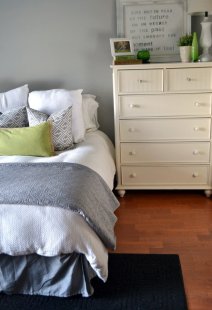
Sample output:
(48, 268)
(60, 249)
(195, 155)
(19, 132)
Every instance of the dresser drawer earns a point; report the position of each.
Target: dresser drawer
(187, 152)
(169, 175)
(194, 79)
(164, 105)
(130, 81)
(165, 129)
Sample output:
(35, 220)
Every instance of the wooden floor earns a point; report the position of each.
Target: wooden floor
(178, 222)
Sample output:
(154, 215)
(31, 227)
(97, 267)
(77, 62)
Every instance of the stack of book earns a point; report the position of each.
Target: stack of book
(126, 60)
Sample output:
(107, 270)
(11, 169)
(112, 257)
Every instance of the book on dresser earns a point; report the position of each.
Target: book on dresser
(162, 118)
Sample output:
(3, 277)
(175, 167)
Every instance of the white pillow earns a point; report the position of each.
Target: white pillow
(89, 108)
(54, 100)
(14, 98)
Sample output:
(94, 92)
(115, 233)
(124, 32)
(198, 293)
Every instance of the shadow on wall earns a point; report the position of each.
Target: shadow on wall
(97, 70)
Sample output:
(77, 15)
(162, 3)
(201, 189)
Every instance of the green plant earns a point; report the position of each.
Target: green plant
(185, 40)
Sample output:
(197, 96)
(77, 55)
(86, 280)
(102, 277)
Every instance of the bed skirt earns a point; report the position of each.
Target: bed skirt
(61, 276)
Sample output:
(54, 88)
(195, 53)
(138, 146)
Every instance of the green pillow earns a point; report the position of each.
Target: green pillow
(31, 141)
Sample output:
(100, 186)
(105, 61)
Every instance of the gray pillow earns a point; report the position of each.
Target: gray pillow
(61, 126)
(14, 118)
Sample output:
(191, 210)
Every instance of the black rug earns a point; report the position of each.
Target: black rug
(136, 282)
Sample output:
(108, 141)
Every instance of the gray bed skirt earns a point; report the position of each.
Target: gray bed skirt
(61, 276)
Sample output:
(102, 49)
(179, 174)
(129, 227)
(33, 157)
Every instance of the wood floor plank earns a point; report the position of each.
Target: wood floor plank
(171, 222)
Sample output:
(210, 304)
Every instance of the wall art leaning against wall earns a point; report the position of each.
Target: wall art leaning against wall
(154, 25)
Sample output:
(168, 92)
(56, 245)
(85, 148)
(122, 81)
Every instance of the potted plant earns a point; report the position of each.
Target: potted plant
(185, 43)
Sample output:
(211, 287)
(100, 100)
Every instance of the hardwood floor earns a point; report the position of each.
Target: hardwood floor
(178, 222)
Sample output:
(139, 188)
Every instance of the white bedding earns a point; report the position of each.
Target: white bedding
(50, 231)
(96, 152)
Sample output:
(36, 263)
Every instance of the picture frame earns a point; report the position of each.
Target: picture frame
(152, 25)
(121, 47)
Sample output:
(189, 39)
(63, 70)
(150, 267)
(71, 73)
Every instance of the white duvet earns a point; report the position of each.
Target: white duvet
(50, 231)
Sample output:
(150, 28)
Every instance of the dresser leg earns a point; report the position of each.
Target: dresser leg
(208, 193)
(121, 193)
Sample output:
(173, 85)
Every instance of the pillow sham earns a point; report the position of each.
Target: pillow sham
(54, 100)
(14, 118)
(14, 98)
(61, 126)
(27, 141)
(89, 108)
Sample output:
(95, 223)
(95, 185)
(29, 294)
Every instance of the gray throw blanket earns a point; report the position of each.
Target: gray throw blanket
(66, 185)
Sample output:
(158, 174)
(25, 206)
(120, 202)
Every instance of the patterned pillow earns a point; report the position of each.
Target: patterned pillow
(54, 100)
(61, 126)
(14, 118)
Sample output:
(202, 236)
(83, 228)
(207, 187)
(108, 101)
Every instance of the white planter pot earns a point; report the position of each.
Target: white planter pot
(185, 53)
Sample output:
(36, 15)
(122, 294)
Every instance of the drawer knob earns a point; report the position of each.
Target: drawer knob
(140, 81)
(195, 152)
(196, 128)
(133, 175)
(131, 129)
(188, 79)
(200, 104)
(132, 105)
(132, 153)
(195, 174)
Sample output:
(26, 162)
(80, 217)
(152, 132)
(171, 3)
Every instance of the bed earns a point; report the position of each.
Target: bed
(49, 246)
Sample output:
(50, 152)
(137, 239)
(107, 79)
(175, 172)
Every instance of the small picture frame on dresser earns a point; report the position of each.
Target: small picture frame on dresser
(121, 47)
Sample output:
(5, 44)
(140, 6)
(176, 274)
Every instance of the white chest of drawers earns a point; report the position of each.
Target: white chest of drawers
(163, 126)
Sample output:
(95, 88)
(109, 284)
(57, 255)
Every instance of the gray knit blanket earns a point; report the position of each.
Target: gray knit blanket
(64, 185)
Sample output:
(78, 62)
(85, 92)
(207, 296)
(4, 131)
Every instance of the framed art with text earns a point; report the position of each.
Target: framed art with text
(154, 25)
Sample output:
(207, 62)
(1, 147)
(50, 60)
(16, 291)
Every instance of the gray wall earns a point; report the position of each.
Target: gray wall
(59, 43)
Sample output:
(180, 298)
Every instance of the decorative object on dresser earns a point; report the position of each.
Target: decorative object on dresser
(163, 126)
(122, 51)
(125, 61)
(195, 48)
(197, 7)
(185, 43)
(121, 47)
(144, 55)
(155, 25)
